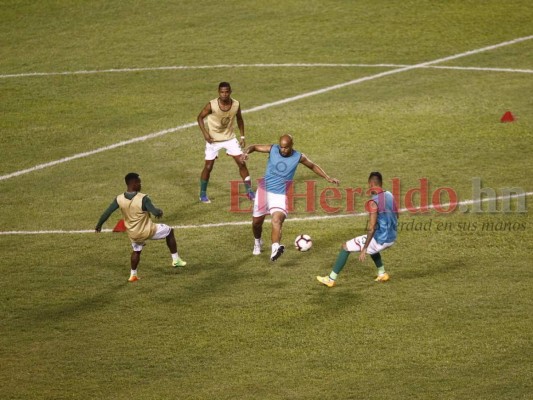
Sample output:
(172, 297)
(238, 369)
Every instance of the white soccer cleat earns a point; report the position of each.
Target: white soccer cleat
(258, 248)
(277, 252)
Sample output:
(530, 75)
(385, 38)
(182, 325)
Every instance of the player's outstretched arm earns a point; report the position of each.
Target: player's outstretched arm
(261, 148)
(204, 113)
(107, 213)
(317, 169)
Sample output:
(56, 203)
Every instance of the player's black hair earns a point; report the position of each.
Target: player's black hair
(377, 175)
(132, 176)
(224, 84)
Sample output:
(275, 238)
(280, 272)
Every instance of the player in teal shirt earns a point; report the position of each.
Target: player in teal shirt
(382, 232)
(271, 196)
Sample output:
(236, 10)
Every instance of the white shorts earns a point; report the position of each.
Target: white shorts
(232, 147)
(162, 231)
(356, 244)
(268, 203)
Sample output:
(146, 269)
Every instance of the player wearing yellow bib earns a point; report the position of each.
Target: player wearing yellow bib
(219, 134)
(136, 208)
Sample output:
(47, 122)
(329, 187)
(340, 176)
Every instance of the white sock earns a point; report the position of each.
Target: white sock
(258, 242)
(133, 272)
(175, 257)
(275, 246)
(333, 276)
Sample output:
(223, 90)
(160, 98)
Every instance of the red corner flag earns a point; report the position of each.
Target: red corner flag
(507, 117)
(120, 226)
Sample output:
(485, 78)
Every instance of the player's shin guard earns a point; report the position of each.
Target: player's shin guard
(340, 262)
(377, 260)
(203, 187)
(379, 264)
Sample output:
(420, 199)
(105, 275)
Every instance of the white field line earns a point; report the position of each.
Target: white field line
(267, 105)
(189, 67)
(297, 219)
(282, 65)
(487, 69)
(96, 151)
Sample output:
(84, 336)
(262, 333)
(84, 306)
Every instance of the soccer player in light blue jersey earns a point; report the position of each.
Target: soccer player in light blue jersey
(271, 195)
(382, 232)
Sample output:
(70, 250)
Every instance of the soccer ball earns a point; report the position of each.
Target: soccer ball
(303, 242)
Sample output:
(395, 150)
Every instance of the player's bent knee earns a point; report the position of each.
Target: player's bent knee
(258, 221)
(276, 220)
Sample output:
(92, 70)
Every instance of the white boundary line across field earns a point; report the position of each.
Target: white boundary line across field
(241, 223)
(281, 65)
(267, 105)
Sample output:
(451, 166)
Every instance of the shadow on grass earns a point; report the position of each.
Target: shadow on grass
(68, 310)
(210, 279)
(336, 297)
(432, 270)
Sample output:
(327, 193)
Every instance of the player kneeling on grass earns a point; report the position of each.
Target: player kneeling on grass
(382, 231)
(136, 208)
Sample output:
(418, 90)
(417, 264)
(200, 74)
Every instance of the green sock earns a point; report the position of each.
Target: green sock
(203, 187)
(379, 264)
(339, 263)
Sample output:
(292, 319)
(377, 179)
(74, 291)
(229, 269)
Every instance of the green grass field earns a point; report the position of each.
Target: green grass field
(454, 322)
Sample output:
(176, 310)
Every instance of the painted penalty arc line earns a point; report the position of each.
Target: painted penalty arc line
(243, 223)
(265, 106)
(277, 65)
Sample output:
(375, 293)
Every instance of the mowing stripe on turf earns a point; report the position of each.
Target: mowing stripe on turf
(282, 65)
(267, 105)
(241, 223)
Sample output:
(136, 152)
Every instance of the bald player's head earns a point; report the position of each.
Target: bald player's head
(285, 145)
(285, 138)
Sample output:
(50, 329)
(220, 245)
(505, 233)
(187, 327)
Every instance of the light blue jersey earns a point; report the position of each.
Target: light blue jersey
(387, 219)
(280, 170)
